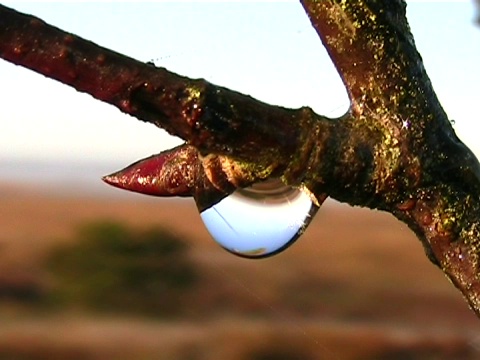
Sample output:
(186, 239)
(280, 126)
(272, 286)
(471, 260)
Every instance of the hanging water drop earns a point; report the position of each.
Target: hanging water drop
(258, 221)
(261, 220)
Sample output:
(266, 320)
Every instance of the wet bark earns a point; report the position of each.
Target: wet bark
(395, 150)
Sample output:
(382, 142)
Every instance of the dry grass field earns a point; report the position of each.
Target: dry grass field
(356, 286)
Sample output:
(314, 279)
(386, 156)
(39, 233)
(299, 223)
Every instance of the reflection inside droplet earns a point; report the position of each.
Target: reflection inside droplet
(261, 220)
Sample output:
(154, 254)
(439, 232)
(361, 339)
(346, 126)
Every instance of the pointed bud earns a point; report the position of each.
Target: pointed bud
(170, 173)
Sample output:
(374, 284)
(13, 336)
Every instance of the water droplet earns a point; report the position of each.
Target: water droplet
(261, 220)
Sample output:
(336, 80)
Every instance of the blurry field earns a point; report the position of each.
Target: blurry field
(357, 285)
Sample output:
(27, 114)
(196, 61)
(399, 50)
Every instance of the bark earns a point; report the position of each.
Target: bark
(395, 150)
(477, 2)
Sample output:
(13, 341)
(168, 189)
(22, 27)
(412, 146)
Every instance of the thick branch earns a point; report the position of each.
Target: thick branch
(415, 167)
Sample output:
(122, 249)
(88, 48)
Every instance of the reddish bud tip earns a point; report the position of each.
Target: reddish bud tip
(170, 173)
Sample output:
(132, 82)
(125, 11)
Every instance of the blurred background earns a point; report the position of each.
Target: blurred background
(91, 272)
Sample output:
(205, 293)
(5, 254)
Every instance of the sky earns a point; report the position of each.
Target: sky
(265, 49)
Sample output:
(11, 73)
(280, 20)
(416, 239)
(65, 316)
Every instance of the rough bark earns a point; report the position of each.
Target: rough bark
(395, 150)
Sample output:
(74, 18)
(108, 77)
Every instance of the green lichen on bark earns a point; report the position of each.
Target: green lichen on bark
(414, 165)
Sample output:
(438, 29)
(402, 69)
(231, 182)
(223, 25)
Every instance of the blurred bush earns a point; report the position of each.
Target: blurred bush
(111, 268)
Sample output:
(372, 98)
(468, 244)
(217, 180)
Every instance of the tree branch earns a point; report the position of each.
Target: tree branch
(477, 3)
(406, 157)
(395, 150)
(212, 119)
